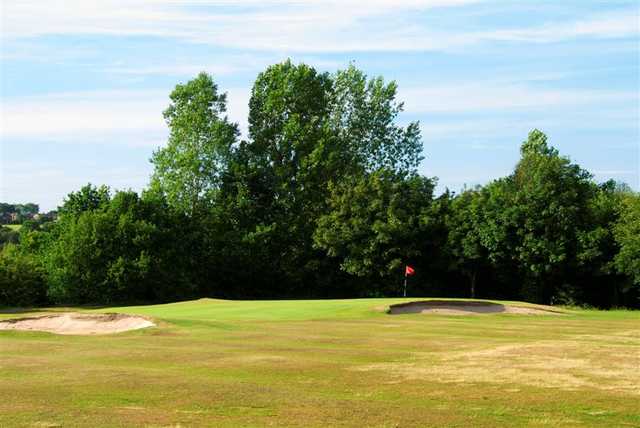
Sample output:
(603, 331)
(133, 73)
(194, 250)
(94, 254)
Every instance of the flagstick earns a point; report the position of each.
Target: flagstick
(405, 284)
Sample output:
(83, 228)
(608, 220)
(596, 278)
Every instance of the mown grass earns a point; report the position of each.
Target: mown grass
(326, 363)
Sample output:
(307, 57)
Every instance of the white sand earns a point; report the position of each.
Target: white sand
(457, 307)
(77, 323)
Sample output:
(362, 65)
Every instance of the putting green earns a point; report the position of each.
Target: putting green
(326, 363)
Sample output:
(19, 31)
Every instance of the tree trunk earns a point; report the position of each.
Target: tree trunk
(473, 284)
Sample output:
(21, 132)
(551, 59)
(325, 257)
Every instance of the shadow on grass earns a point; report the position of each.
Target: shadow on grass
(7, 311)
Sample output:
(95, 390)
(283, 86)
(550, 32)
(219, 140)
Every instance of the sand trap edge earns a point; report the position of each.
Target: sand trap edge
(468, 307)
(78, 323)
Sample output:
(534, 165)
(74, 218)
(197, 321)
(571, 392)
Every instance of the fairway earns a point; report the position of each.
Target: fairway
(322, 363)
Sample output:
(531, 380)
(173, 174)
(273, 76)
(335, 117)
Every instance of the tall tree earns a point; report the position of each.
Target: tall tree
(364, 116)
(309, 131)
(464, 243)
(188, 169)
(541, 210)
(281, 172)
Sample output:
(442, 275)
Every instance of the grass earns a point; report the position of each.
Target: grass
(326, 363)
(15, 227)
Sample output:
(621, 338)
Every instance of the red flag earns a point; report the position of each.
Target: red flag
(408, 271)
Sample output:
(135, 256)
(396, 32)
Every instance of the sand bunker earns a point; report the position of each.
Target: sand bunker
(76, 323)
(458, 307)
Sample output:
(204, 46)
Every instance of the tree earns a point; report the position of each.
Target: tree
(277, 183)
(8, 236)
(22, 281)
(307, 132)
(627, 235)
(374, 223)
(596, 282)
(117, 253)
(17, 213)
(323, 199)
(290, 145)
(29, 209)
(88, 198)
(465, 243)
(189, 169)
(188, 176)
(534, 218)
(363, 116)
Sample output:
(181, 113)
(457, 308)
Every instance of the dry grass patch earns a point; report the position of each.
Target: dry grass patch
(565, 364)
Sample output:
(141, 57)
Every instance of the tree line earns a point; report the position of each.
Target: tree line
(17, 213)
(323, 199)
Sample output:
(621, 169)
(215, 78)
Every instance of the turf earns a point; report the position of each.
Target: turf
(326, 363)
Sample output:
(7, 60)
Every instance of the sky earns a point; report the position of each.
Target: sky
(84, 83)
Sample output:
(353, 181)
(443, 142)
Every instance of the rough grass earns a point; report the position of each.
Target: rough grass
(326, 363)
(15, 227)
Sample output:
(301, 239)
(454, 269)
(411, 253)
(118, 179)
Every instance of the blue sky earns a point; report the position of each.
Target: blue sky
(84, 83)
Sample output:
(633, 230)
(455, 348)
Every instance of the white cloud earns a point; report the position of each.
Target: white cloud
(129, 117)
(288, 26)
(224, 64)
(47, 184)
(486, 96)
(174, 19)
(611, 25)
(238, 107)
(82, 113)
(135, 117)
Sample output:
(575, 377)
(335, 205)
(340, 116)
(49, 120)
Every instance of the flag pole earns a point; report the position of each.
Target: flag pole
(405, 283)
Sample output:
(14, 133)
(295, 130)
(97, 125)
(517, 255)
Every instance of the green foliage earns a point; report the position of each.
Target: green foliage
(8, 236)
(290, 145)
(627, 235)
(363, 116)
(465, 226)
(541, 213)
(188, 170)
(112, 253)
(547, 227)
(88, 198)
(309, 133)
(277, 182)
(22, 281)
(323, 199)
(374, 222)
